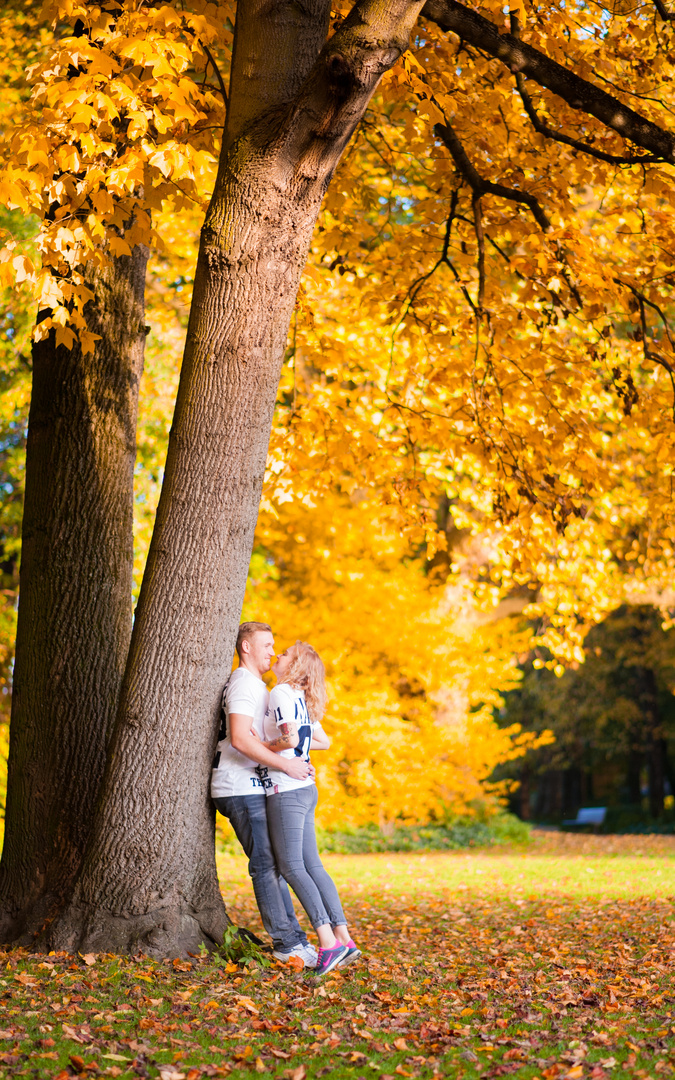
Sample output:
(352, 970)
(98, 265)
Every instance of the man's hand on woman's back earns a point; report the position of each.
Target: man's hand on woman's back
(294, 767)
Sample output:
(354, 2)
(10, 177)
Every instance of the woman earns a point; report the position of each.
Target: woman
(292, 725)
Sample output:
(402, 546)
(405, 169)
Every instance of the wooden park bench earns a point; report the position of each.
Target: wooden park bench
(590, 815)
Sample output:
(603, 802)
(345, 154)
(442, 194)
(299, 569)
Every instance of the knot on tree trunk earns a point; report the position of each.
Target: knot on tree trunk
(341, 74)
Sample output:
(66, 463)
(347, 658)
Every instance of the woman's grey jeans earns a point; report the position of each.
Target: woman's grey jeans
(290, 817)
(247, 815)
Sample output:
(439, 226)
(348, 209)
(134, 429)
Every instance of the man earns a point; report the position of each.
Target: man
(238, 792)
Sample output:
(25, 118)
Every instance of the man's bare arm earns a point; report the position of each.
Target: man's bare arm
(246, 743)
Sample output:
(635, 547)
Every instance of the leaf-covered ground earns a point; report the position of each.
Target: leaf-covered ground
(556, 963)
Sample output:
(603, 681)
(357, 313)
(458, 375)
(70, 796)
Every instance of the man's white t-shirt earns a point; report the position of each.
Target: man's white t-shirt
(233, 773)
(286, 706)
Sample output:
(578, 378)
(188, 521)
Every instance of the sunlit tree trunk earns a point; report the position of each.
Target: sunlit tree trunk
(149, 878)
(74, 621)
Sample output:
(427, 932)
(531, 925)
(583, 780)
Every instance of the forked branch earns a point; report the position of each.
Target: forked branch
(479, 185)
(649, 353)
(215, 67)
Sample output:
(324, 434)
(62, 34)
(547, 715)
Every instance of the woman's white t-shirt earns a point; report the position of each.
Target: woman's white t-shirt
(286, 706)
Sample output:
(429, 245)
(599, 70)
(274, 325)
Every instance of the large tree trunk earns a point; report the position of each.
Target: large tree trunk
(149, 879)
(74, 623)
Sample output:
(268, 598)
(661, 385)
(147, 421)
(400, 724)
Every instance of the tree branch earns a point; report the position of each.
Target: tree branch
(649, 353)
(480, 242)
(667, 16)
(549, 133)
(217, 71)
(479, 186)
(577, 92)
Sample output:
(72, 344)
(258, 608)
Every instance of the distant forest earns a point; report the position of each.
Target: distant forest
(614, 721)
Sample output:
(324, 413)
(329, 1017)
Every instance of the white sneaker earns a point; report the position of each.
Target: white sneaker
(309, 955)
(306, 952)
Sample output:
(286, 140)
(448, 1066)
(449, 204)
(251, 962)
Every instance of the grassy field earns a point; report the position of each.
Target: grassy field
(555, 863)
(554, 962)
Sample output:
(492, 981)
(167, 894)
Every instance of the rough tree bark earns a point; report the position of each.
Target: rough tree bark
(294, 103)
(74, 623)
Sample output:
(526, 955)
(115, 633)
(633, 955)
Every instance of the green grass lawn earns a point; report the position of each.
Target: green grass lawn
(554, 864)
(553, 962)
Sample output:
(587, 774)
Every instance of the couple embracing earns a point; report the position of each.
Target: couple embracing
(263, 782)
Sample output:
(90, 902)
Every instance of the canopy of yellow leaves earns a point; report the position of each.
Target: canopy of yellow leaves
(511, 348)
(511, 355)
(413, 677)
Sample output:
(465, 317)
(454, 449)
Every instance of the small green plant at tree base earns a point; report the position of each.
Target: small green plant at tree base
(240, 946)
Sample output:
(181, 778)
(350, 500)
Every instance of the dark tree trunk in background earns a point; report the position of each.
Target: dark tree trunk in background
(653, 742)
(149, 878)
(635, 761)
(74, 622)
(525, 791)
(657, 775)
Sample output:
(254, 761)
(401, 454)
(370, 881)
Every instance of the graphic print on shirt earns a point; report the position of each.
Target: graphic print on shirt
(304, 726)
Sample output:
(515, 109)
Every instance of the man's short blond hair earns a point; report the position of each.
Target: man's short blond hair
(247, 630)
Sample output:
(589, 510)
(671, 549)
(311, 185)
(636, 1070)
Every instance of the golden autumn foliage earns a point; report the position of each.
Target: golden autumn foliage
(484, 320)
(449, 337)
(103, 142)
(508, 343)
(413, 677)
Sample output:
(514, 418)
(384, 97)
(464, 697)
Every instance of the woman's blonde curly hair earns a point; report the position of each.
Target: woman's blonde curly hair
(307, 673)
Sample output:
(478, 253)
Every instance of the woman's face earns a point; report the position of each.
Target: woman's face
(283, 662)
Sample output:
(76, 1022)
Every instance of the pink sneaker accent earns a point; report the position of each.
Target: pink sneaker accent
(353, 953)
(329, 959)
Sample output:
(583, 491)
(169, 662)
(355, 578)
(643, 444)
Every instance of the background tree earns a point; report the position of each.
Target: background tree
(519, 381)
(613, 718)
(74, 624)
(413, 672)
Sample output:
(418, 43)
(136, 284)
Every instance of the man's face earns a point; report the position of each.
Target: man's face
(260, 650)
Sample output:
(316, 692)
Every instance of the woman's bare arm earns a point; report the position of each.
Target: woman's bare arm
(320, 740)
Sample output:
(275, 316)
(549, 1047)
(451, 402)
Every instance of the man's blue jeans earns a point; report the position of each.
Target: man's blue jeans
(247, 815)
